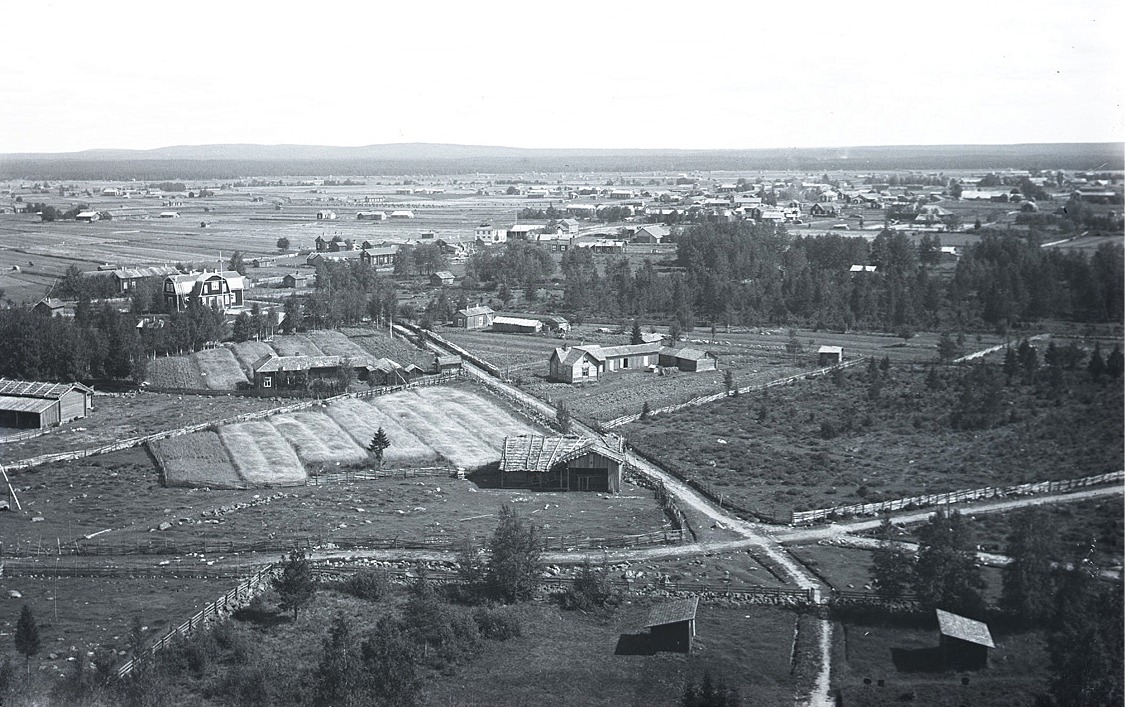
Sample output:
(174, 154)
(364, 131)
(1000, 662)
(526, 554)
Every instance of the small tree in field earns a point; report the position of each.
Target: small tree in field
(892, 568)
(635, 337)
(283, 244)
(27, 636)
(728, 381)
(513, 563)
(295, 585)
(379, 444)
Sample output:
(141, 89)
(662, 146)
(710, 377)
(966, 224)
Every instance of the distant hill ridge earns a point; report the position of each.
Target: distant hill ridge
(235, 160)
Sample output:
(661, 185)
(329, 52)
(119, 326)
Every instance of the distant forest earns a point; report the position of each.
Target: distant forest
(235, 161)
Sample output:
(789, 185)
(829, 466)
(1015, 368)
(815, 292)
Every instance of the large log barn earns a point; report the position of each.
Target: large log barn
(32, 405)
(565, 463)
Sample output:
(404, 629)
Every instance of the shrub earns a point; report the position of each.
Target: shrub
(591, 589)
(829, 430)
(497, 624)
(368, 584)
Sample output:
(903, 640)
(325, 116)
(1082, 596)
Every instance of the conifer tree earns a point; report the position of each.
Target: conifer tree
(378, 446)
(27, 638)
(295, 586)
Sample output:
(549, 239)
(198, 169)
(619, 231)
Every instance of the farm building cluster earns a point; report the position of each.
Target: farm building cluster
(589, 363)
(298, 372)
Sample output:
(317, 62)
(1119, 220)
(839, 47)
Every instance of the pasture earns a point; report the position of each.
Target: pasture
(818, 444)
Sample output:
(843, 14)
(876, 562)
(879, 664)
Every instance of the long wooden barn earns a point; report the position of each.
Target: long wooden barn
(563, 463)
(32, 405)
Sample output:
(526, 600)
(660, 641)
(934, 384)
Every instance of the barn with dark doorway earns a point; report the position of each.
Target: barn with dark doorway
(671, 625)
(964, 642)
(564, 463)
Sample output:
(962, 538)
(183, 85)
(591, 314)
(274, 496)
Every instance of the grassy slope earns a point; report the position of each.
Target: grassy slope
(766, 451)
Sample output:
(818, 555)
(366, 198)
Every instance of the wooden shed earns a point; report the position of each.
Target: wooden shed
(33, 405)
(448, 364)
(671, 625)
(563, 463)
(829, 355)
(517, 325)
(687, 359)
(964, 642)
(473, 317)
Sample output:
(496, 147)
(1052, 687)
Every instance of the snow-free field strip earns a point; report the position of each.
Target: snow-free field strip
(318, 439)
(219, 369)
(261, 454)
(198, 459)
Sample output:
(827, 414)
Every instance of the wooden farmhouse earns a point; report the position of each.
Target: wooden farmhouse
(652, 233)
(829, 355)
(556, 324)
(295, 280)
(576, 364)
(671, 625)
(52, 307)
(580, 364)
(517, 325)
(273, 371)
(128, 278)
(378, 257)
(384, 371)
(564, 463)
(964, 642)
(473, 317)
(221, 290)
(31, 405)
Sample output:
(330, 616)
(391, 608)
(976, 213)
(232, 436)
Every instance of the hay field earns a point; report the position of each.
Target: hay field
(317, 438)
(263, 456)
(378, 344)
(198, 459)
(175, 372)
(296, 345)
(334, 343)
(248, 353)
(219, 369)
(361, 420)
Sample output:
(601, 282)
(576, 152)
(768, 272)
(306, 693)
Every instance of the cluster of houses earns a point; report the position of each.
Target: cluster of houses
(591, 362)
(274, 372)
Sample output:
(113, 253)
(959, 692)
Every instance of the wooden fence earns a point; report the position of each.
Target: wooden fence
(938, 499)
(131, 442)
(244, 592)
(703, 399)
(376, 474)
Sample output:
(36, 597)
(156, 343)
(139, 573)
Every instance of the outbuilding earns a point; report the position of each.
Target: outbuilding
(687, 359)
(448, 365)
(442, 277)
(473, 317)
(517, 325)
(671, 625)
(34, 405)
(829, 355)
(563, 463)
(555, 323)
(295, 280)
(964, 642)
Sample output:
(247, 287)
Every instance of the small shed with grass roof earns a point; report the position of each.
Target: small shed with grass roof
(964, 642)
(671, 625)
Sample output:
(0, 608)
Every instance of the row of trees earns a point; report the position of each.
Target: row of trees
(97, 343)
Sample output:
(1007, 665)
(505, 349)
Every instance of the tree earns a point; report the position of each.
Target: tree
(237, 263)
(27, 638)
(892, 567)
(636, 337)
(946, 574)
(283, 244)
(646, 410)
(948, 348)
(675, 331)
(728, 380)
(1086, 645)
(1028, 591)
(562, 416)
(338, 675)
(1096, 367)
(514, 565)
(710, 694)
(295, 585)
(1115, 363)
(389, 665)
(591, 589)
(378, 445)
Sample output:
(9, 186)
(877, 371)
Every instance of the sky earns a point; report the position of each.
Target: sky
(576, 74)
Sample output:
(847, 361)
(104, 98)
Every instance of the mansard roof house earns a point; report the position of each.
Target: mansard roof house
(223, 290)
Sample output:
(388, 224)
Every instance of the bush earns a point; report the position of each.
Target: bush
(591, 589)
(368, 584)
(829, 430)
(497, 624)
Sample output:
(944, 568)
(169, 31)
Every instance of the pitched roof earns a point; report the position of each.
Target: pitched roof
(133, 273)
(14, 404)
(272, 363)
(684, 353)
(474, 311)
(517, 321)
(672, 612)
(445, 275)
(571, 356)
(34, 389)
(964, 628)
(539, 453)
(630, 349)
(830, 350)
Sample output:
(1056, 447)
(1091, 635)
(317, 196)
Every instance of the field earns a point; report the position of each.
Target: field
(816, 444)
(424, 425)
(232, 365)
(198, 459)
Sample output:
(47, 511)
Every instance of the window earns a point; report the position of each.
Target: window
(267, 382)
(625, 362)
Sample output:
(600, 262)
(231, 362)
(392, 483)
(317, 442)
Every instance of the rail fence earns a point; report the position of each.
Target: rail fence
(168, 547)
(703, 399)
(131, 442)
(937, 499)
(376, 474)
(244, 592)
(14, 568)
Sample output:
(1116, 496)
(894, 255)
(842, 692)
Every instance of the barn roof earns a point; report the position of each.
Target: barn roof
(630, 349)
(449, 360)
(684, 353)
(474, 311)
(672, 612)
(445, 275)
(964, 628)
(33, 389)
(516, 321)
(15, 404)
(154, 271)
(540, 453)
(830, 350)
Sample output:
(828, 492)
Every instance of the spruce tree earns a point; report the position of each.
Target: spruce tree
(635, 337)
(892, 567)
(379, 444)
(1028, 580)
(295, 586)
(1096, 366)
(946, 573)
(514, 557)
(27, 638)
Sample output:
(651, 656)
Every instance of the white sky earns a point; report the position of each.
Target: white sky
(606, 74)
